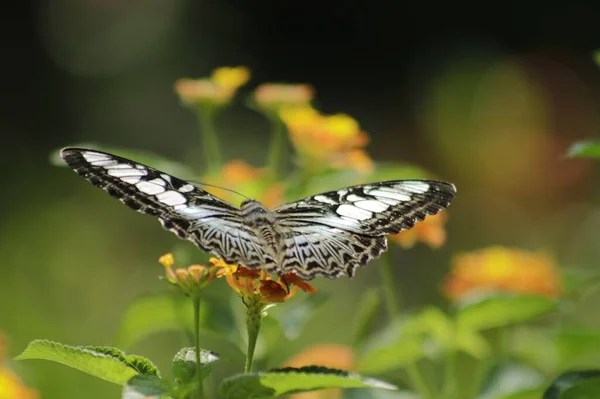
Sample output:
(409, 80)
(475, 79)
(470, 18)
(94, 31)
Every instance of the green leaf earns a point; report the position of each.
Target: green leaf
(152, 314)
(512, 379)
(184, 364)
(145, 157)
(109, 364)
(582, 384)
(584, 149)
(368, 304)
(146, 387)
(530, 393)
(295, 314)
(498, 310)
(279, 382)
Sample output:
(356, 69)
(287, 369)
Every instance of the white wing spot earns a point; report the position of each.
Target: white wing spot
(342, 192)
(131, 179)
(390, 194)
(92, 157)
(105, 163)
(186, 188)
(119, 166)
(122, 172)
(354, 198)
(149, 188)
(140, 167)
(417, 187)
(325, 200)
(166, 177)
(353, 212)
(171, 198)
(372, 205)
(158, 181)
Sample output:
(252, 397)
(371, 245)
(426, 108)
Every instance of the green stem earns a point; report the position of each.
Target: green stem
(210, 141)
(479, 375)
(389, 289)
(277, 146)
(253, 323)
(417, 381)
(200, 390)
(449, 389)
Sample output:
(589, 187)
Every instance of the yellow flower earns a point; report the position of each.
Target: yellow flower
(329, 355)
(326, 140)
(230, 77)
(499, 269)
(247, 180)
(11, 387)
(219, 89)
(275, 95)
(257, 286)
(191, 279)
(430, 231)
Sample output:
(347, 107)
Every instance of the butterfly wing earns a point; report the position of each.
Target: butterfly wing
(188, 211)
(333, 233)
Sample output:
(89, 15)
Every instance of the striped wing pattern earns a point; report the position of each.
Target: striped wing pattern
(329, 234)
(333, 233)
(188, 211)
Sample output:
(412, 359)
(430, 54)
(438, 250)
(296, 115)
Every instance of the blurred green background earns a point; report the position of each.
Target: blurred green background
(490, 99)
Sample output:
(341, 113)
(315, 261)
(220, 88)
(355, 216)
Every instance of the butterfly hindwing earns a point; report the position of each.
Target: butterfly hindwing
(181, 207)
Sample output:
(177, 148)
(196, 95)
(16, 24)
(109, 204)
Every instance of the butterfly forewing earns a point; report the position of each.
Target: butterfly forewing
(337, 231)
(329, 234)
(181, 207)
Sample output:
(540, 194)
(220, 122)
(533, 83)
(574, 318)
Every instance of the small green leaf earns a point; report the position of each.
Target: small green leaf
(278, 382)
(510, 379)
(145, 157)
(582, 384)
(584, 149)
(184, 364)
(106, 363)
(368, 304)
(146, 387)
(295, 314)
(152, 314)
(406, 350)
(498, 310)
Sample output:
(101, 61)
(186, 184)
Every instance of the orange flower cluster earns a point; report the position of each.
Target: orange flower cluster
(324, 141)
(253, 182)
(273, 96)
(11, 386)
(219, 89)
(430, 231)
(258, 286)
(499, 269)
(191, 279)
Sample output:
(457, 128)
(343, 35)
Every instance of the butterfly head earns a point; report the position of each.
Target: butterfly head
(252, 209)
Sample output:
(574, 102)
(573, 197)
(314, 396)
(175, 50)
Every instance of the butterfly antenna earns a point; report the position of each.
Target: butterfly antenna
(221, 188)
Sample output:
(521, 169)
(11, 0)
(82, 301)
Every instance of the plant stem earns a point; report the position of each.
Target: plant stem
(253, 323)
(208, 137)
(277, 146)
(418, 382)
(449, 389)
(200, 390)
(389, 289)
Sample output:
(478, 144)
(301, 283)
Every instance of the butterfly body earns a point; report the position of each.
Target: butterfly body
(328, 234)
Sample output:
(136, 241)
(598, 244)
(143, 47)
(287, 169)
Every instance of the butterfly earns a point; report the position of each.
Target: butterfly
(328, 234)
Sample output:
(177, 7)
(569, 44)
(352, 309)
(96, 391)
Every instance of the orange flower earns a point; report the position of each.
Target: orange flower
(430, 231)
(256, 285)
(253, 182)
(328, 355)
(191, 279)
(500, 269)
(11, 387)
(326, 140)
(219, 89)
(275, 95)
